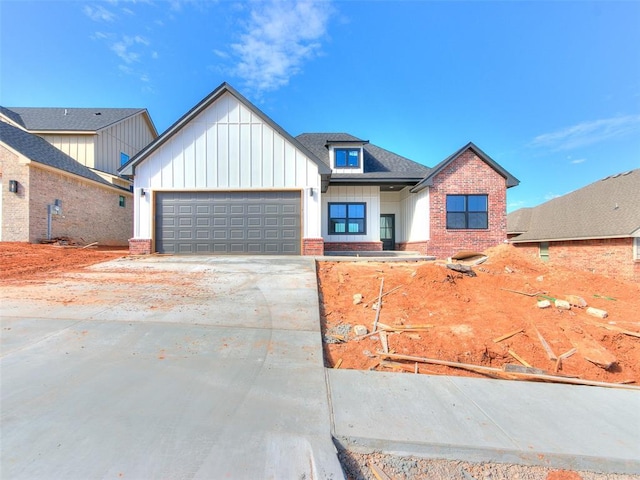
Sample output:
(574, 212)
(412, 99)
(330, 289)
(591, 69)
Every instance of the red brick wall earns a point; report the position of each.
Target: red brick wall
(313, 246)
(467, 175)
(610, 257)
(139, 246)
(352, 246)
(420, 247)
(90, 212)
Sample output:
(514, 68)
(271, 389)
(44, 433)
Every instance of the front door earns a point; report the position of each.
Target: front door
(388, 231)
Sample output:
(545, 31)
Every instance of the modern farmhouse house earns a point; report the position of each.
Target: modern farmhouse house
(226, 179)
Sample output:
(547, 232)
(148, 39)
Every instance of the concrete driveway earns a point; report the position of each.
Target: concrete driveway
(166, 367)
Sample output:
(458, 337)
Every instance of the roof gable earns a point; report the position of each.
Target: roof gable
(39, 150)
(608, 208)
(70, 119)
(130, 166)
(378, 162)
(428, 180)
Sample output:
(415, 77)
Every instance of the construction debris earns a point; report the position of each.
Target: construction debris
(588, 347)
(562, 304)
(508, 335)
(519, 358)
(544, 303)
(576, 301)
(360, 330)
(596, 312)
(614, 328)
(463, 269)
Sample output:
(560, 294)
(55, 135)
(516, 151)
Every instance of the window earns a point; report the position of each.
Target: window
(544, 251)
(121, 201)
(467, 212)
(636, 248)
(347, 157)
(124, 158)
(347, 219)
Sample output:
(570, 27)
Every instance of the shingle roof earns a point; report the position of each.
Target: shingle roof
(39, 150)
(378, 162)
(67, 119)
(518, 221)
(608, 208)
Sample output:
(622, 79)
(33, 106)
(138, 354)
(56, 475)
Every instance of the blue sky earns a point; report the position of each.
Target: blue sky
(548, 89)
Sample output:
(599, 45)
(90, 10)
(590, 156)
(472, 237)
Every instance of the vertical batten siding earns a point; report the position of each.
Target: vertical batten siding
(128, 136)
(79, 147)
(369, 195)
(415, 208)
(228, 146)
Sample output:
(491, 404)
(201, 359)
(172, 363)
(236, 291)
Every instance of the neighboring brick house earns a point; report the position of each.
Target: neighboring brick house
(225, 178)
(71, 155)
(595, 228)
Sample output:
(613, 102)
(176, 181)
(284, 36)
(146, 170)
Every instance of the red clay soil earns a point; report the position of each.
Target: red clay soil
(24, 261)
(462, 315)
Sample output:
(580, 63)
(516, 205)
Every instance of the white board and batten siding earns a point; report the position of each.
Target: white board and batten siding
(101, 150)
(228, 147)
(370, 195)
(128, 136)
(411, 212)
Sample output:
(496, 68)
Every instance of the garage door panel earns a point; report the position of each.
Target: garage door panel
(228, 222)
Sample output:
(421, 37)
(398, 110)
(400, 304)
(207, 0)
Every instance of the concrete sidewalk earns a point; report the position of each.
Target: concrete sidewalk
(478, 420)
(166, 367)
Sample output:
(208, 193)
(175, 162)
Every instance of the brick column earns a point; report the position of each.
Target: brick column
(313, 246)
(139, 246)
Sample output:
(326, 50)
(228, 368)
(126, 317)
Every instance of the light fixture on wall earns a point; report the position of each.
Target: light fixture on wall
(311, 192)
(13, 186)
(142, 192)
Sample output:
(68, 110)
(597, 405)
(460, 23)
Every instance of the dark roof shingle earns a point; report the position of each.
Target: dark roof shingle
(607, 208)
(39, 150)
(378, 162)
(67, 119)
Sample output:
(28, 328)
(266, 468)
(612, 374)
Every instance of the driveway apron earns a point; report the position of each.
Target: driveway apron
(166, 367)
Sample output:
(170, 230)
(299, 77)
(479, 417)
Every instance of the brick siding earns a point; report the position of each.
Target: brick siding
(420, 247)
(352, 246)
(139, 246)
(610, 257)
(467, 175)
(90, 212)
(313, 246)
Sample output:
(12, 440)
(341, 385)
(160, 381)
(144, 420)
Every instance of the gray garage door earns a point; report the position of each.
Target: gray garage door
(228, 222)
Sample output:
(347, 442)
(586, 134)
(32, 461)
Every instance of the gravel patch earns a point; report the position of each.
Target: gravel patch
(357, 467)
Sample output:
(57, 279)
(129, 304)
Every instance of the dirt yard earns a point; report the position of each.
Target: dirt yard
(431, 311)
(25, 261)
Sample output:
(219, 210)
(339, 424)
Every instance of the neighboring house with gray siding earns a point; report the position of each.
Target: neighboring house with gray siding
(595, 228)
(72, 156)
(225, 178)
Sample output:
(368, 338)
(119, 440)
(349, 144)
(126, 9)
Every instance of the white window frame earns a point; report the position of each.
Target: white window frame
(636, 248)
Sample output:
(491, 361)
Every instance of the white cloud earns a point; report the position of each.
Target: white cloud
(220, 53)
(588, 133)
(122, 48)
(279, 37)
(99, 13)
(551, 195)
(578, 161)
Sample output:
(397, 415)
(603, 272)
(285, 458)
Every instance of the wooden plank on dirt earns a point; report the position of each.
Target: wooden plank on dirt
(375, 322)
(378, 472)
(614, 328)
(589, 347)
(338, 364)
(384, 341)
(519, 358)
(545, 345)
(508, 335)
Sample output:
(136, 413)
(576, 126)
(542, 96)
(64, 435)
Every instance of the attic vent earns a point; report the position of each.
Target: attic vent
(616, 175)
(626, 173)
(98, 113)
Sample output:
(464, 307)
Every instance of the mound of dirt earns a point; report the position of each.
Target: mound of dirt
(434, 312)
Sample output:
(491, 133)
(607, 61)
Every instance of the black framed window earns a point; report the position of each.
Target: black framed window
(467, 212)
(347, 219)
(121, 201)
(346, 157)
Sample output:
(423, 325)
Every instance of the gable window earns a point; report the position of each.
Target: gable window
(121, 201)
(346, 157)
(124, 158)
(347, 219)
(467, 212)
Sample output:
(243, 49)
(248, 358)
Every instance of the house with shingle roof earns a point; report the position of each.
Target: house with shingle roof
(595, 228)
(227, 179)
(68, 156)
